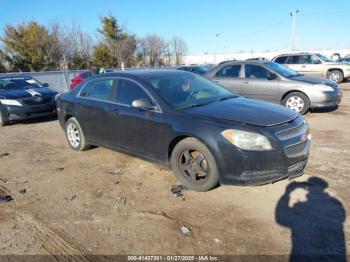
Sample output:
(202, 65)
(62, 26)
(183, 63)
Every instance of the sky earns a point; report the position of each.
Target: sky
(207, 26)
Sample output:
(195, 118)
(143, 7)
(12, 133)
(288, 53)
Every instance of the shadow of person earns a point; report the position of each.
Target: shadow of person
(316, 224)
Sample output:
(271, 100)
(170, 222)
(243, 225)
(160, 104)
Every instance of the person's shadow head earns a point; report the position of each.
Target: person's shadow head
(316, 223)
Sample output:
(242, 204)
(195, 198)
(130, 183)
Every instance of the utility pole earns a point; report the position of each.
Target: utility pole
(293, 36)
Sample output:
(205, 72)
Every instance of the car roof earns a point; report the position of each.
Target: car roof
(301, 53)
(142, 73)
(261, 62)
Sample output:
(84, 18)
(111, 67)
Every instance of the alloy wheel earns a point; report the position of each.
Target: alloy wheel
(295, 103)
(193, 166)
(334, 77)
(73, 135)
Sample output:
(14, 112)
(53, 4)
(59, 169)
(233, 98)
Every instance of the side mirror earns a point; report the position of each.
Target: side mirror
(143, 103)
(317, 62)
(46, 85)
(271, 76)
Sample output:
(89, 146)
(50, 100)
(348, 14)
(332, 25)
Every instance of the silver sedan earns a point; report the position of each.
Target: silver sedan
(276, 83)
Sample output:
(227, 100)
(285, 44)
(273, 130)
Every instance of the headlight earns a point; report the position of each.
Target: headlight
(56, 96)
(247, 140)
(10, 102)
(323, 88)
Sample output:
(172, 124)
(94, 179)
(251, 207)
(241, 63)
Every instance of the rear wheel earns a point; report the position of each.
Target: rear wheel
(297, 102)
(75, 135)
(194, 165)
(336, 76)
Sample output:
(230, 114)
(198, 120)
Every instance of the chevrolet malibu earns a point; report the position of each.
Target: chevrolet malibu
(23, 97)
(207, 134)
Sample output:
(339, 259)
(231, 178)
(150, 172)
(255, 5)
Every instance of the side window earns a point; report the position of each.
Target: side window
(315, 60)
(229, 71)
(306, 59)
(295, 59)
(255, 71)
(128, 91)
(100, 89)
(281, 59)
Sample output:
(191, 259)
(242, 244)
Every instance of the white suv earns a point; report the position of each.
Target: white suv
(315, 65)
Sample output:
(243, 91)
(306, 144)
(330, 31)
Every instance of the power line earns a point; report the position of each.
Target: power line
(326, 13)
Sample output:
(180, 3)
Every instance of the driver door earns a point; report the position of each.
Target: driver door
(132, 129)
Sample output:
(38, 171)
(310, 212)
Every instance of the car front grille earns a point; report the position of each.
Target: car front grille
(37, 100)
(298, 149)
(297, 131)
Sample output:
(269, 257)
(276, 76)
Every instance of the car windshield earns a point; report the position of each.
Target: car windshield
(323, 58)
(282, 70)
(188, 90)
(19, 83)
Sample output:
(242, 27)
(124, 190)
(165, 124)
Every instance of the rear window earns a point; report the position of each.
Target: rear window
(229, 71)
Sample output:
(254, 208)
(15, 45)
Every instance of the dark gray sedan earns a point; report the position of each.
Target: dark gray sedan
(276, 83)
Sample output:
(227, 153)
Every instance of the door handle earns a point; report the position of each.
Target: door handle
(245, 81)
(303, 66)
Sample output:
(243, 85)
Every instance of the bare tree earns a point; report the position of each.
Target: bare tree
(179, 49)
(152, 49)
(74, 45)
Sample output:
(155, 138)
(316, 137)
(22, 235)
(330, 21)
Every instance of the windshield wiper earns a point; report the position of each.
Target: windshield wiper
(194, 105)
(225, 98)
(206, 103)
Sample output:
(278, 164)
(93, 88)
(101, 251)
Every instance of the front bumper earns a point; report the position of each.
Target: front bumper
(287, 160)
(15, 113)
(327, 99)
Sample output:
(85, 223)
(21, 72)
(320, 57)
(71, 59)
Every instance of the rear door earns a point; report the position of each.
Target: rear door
(256, 84)
(311, 65)
(230, 77)
(293, 62)
(93, 109)
(135, 130)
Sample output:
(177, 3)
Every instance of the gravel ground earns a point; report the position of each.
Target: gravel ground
(104, 202)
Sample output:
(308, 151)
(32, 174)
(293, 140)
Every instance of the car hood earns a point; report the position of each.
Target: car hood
(314, 80)
(246, 111)
(25, 93)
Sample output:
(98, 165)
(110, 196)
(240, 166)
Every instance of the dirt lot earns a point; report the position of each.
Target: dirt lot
(104, 202)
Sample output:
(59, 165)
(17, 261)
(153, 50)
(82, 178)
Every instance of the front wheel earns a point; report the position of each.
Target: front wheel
(297, 102)
(75, 135)
(194, 165)
(2, 119)
(336, 76)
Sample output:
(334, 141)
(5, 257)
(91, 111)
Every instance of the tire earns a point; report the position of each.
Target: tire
(75, 135)
(297, 101)
(2, 119)
(205, 175)
(335, 76)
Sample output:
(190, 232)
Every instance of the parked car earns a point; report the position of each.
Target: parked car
(199, 70)
(278, 84)
(207, 134)
(315, 65)
(23, 97)
(80, 77)
(345, 60)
